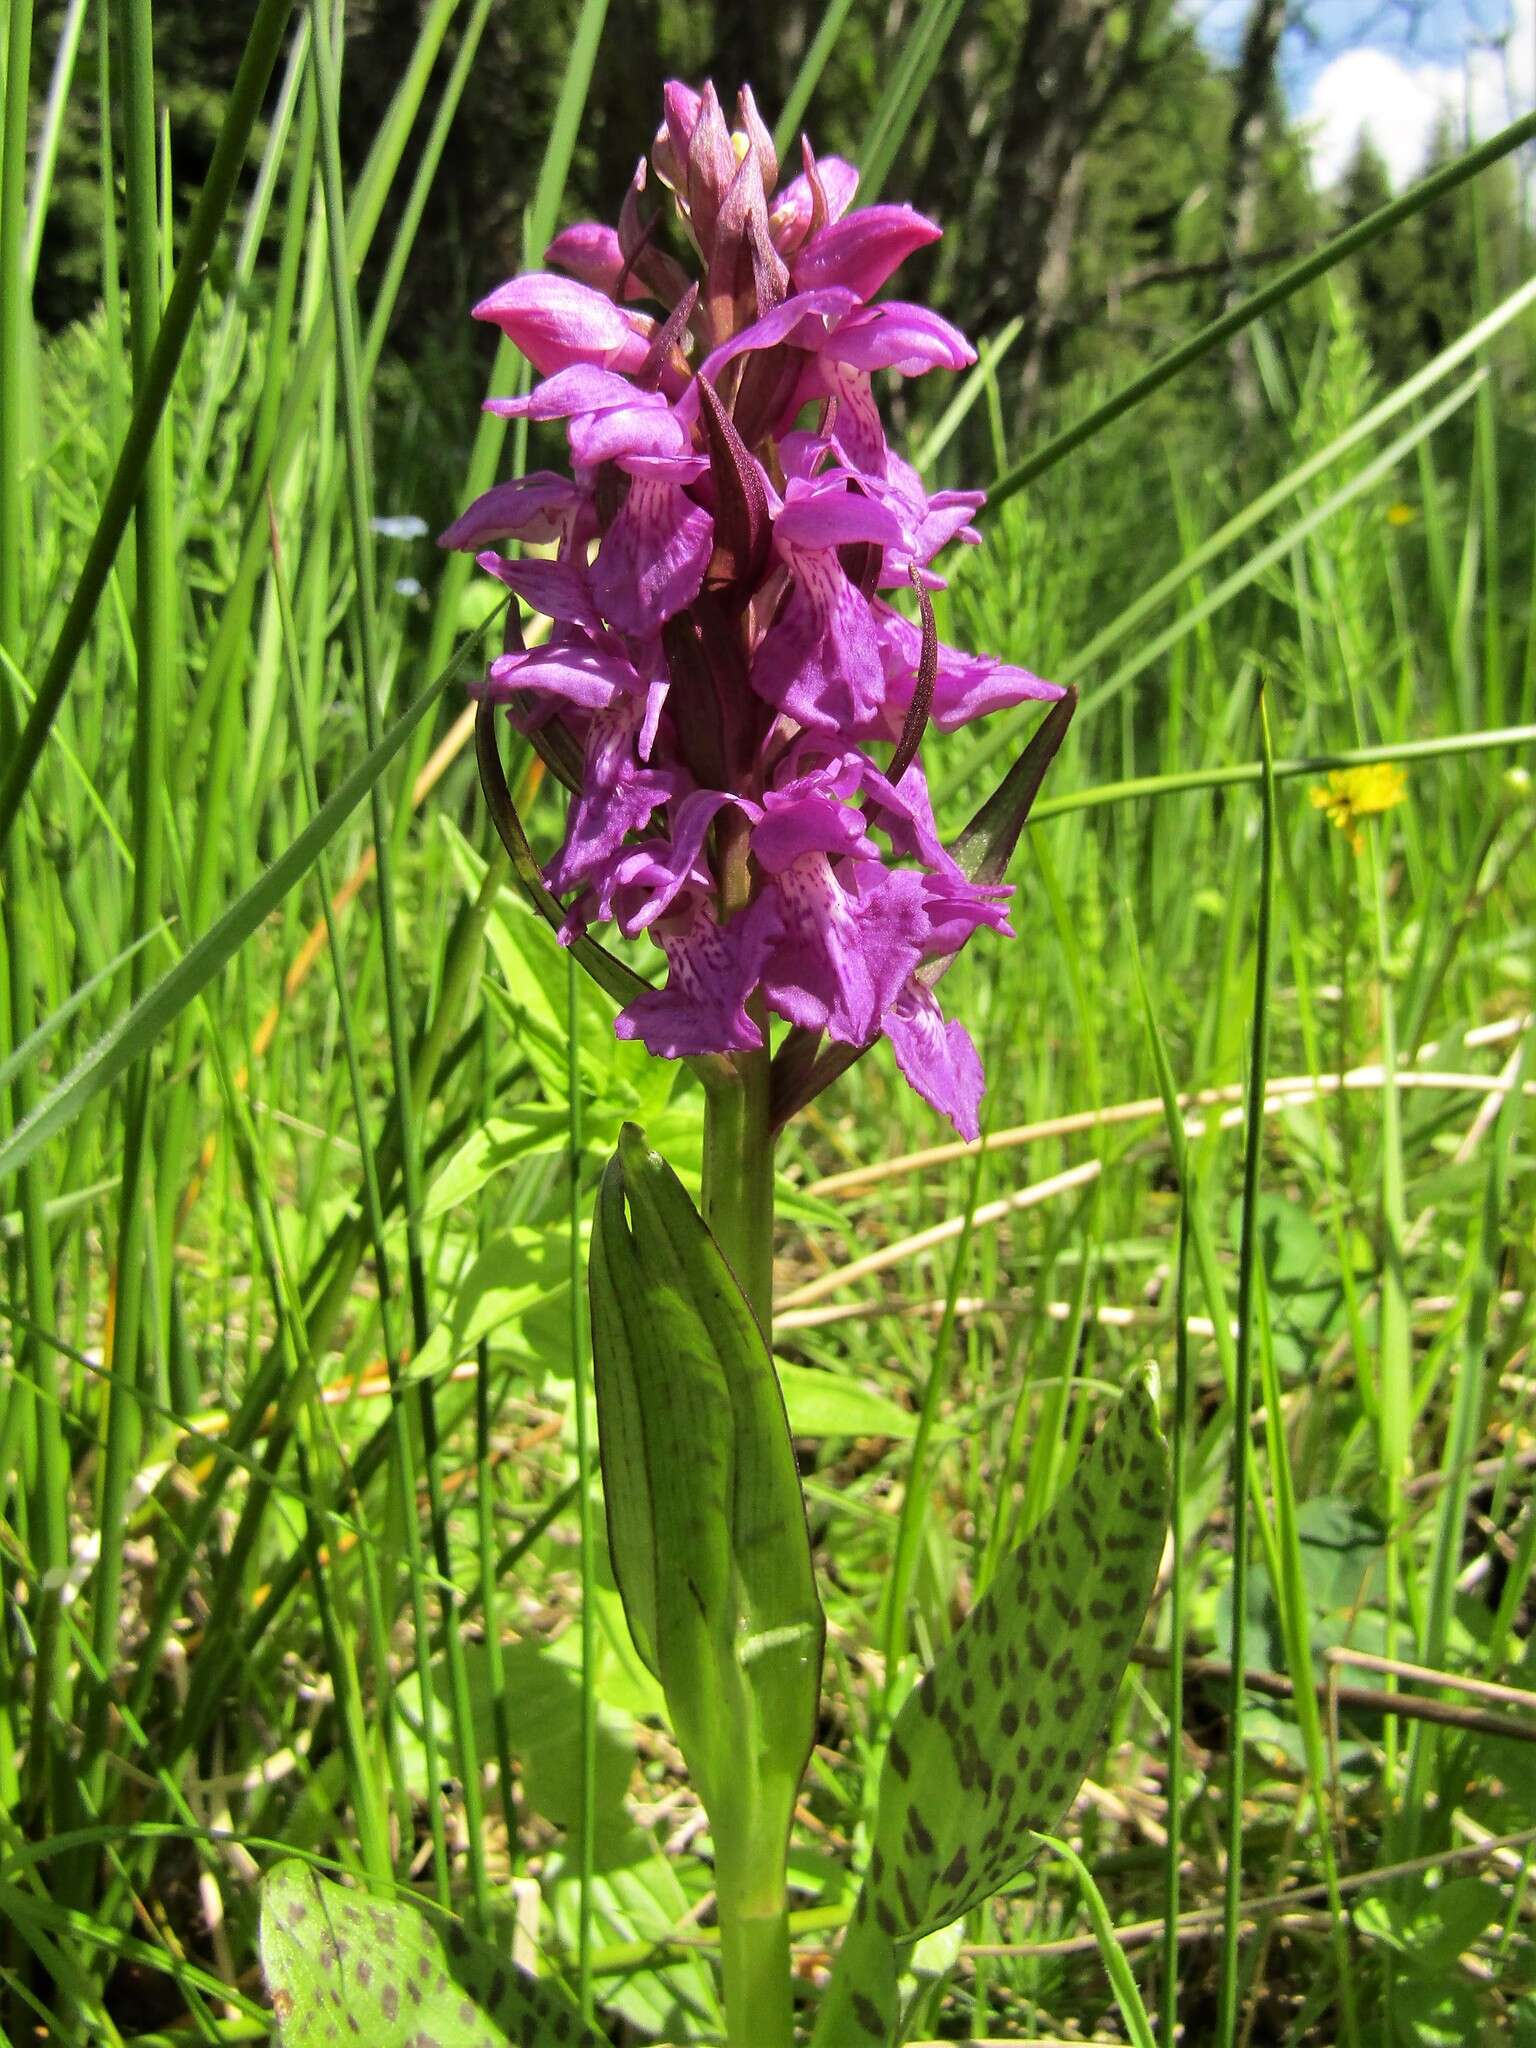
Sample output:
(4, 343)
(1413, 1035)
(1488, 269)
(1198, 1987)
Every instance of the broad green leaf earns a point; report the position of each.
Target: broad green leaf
(500, 1142)
(1300, 1276)
(644, 1901)
(706, 1522)
(994, 1741)
(341, 1966)
(1433, 1927)
(513, 1277)
(826, 1404)
(991, 1745)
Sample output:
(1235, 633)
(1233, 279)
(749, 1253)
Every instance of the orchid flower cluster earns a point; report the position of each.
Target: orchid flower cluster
(719, 571)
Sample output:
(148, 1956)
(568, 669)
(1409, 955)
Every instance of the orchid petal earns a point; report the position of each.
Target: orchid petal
(863, 250)
(618, 797)
(557, 589)
(625, 432)
(534, 507)
(557, 322)
(583, 388)
(967, 686)
(937, 1058)
(800, 321)
(569, 667)
(897, 336)
(712, 971)
(820, 659)
(591, 253)
(832, 517)
(653, 557)
(842, 954)
(790, 221)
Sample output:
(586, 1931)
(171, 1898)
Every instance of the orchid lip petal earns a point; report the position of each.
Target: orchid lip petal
(533, 508)
(819, 660)
(863, 249)
(937, 1058)
(652, 560)
(558, 322)
(830, 519)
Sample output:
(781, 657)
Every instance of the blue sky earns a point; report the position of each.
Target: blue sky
(1394, 67)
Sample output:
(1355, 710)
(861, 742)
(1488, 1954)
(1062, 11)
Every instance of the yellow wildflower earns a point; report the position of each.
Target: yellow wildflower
(1400, 514)
(1356, 793)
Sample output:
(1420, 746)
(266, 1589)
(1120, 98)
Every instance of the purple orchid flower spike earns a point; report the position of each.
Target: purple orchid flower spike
(736, 573)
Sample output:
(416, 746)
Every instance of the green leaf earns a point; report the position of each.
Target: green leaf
(1433, 1926)
(1442, 2016)
(825, 1404)
(994, 1741)
(1300, 1276)
(341, 1965)
(532, 1128)
(990, 1747)
(706, 1522)
(516, 1274)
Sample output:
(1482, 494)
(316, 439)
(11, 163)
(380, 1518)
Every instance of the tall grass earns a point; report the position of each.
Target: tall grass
(301, 1544)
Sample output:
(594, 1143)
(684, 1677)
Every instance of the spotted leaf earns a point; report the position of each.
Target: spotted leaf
(342, 1966)
(992, 1744)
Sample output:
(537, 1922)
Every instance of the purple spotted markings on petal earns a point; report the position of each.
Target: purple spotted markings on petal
(740, 713)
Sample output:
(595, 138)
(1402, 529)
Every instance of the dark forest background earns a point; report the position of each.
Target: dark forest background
(1099, 173)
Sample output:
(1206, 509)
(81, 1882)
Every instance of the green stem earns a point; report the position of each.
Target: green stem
(751, 1831)
(754, 1935)
(738, 1179)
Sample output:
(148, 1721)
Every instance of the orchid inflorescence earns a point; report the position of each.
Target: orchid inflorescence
(721, 657)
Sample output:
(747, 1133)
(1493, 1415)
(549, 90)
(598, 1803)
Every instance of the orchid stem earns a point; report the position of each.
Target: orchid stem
(750, 1897)
(751, 1832)
(738, 1178)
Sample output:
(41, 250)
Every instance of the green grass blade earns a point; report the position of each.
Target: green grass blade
(46, 157)
(906, 83)
(1242, 1402)
(137, 1325)
(1451, 747)
(153, 395)
(164, 1002)
(812, 64)
(1117, 1969)
(29, 1052)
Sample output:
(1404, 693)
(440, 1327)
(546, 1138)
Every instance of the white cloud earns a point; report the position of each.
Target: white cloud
(1400, 103)
(1372, 92)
